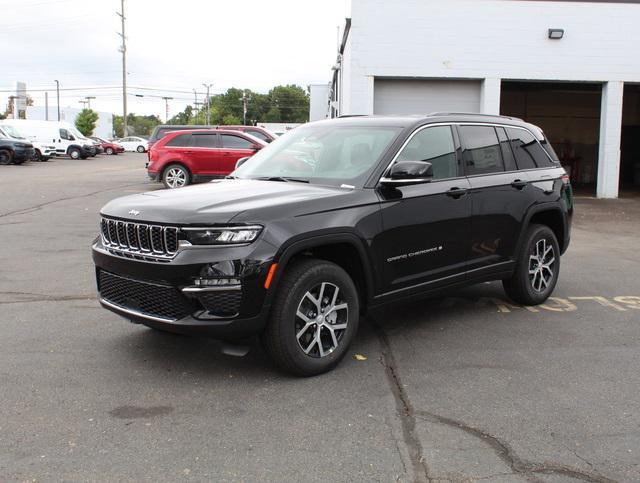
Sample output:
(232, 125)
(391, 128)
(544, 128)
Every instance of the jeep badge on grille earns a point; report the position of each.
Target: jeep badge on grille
(134, 212)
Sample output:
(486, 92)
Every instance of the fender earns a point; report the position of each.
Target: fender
(303, 242)
(538, 208)
(71, 146)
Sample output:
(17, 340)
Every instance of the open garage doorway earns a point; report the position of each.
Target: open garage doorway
(569, 114)
(630, 148)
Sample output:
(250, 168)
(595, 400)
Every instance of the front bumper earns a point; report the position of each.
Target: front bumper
(162, 295)
(23, 154)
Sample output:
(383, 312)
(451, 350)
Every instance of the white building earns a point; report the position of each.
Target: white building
(104, 126)
(319, 101)
(571, 67)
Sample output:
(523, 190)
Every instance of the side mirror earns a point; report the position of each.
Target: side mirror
(256, 147)
(408, 172)
(241, 161)
(71, 138)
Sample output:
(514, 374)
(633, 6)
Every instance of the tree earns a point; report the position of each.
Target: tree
(292, 102)
(86, 121)
(136, 125)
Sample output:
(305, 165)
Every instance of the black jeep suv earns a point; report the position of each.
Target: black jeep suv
(334, 219)
(15, 151)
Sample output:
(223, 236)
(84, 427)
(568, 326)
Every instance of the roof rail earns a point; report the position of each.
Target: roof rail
(351, 115)
(471, 114)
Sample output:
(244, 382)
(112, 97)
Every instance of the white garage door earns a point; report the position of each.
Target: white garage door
(394, 96)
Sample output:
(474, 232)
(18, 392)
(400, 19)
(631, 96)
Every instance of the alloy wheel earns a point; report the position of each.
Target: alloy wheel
(541, 265)
(321, 320)
(176, 178)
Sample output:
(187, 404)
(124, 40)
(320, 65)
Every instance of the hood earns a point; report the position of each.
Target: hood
(220, 201)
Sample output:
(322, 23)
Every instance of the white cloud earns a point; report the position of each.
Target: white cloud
(174, 45)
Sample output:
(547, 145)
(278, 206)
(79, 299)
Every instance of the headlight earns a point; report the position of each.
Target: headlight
(222, 236)
(21, 145)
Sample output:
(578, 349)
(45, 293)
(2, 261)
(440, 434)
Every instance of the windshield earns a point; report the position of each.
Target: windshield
(12, 131)
(77, 134)
(321, 154)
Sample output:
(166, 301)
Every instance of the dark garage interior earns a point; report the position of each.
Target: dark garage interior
(630, 155)
(569, 114)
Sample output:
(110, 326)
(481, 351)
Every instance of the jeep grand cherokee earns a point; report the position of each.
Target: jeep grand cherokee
(334, 219)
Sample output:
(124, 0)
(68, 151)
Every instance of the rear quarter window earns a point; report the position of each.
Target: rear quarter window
(183, 140)
(527, 150)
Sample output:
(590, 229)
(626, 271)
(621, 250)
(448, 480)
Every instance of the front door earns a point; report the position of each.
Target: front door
(233, 148)
(426, 227)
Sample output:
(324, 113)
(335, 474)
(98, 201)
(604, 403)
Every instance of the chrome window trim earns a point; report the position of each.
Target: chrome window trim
(461, 123)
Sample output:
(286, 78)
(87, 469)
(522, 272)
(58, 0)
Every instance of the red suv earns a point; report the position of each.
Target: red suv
(184, 157)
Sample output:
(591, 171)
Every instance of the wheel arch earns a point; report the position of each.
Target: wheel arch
(548, 214)
(168, 164)
(346, 250)
(74, 146)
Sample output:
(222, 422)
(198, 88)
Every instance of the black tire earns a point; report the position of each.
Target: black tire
(109, 151)
(171, 178)
(75, 153)
(280, 337)
(37, 155)
(533, 282)
(6, 157)
(140, 149)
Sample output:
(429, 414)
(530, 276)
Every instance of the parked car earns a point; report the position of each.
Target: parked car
(42, 152)
(65, 137)
(160, 131)
(184, 157)
(109, 147)
(14, 151)
(338, 218)
(134, 143)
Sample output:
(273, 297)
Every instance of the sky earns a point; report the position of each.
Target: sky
(174, 46)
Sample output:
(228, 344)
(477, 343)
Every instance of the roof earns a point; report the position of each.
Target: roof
(417, 119)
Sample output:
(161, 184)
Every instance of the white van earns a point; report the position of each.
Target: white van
(43, 152)
(65, 137)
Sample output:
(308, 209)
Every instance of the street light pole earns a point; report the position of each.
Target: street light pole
(166, 105)
(88, 98)
(58, 97)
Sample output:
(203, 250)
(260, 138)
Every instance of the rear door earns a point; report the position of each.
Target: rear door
(500, 196)
(205, 154)
(234, 147)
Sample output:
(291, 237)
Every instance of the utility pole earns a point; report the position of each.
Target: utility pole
(195, 102)
(84, 104)
(208, 86)
(245, 101)
(88, 98)
(46, 106)
(58, 97)
(123, 49)
(166, 105)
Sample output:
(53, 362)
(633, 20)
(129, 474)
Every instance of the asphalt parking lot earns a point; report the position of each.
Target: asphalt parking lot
(461, 388)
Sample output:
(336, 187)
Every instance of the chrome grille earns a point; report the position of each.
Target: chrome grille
(128, 238)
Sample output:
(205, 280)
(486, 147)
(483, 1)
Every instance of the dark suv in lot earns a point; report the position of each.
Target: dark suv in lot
(14, 150)
(338, 218)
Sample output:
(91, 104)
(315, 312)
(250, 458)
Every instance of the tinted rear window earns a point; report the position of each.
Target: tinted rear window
(182, 140)
(527, 150)
(482, 152)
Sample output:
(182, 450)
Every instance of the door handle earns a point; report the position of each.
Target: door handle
(188, 152)
(518, 184)
(457, 192)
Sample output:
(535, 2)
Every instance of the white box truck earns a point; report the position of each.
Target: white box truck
(65, 137)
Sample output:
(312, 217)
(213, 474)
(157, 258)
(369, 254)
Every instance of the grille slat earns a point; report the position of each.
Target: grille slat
(146, 298)
(139, 238)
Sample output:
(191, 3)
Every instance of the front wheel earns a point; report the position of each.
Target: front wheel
(141, 149)
(176, 176)
(109, 151)
(313, 319)
(75, 153)
(537, 268)
(5, 157)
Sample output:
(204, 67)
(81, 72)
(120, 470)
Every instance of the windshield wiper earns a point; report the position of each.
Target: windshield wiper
(282, 178)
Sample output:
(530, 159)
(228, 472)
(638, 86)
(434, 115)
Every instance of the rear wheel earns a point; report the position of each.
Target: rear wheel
(176, 176)
(537, 268)
(313, 319)
(5, 157)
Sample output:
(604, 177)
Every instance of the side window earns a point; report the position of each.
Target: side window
(125, 140)
(258, 134)
(64, 134)
(434, 145)
(481, 154)
(182, 140)
(505, 147)
(204, 141)
(234, 142)
(527, 150)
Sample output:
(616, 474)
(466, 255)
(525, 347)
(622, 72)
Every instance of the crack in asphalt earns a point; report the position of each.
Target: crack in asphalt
(403, 407)
(502, 449)
(507, 454)
(31, 209)
(36, 297)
